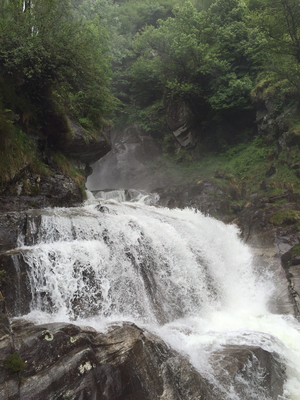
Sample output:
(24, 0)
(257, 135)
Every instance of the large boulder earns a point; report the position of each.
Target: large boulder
(84, 146)
(64, 361)
(237, 365)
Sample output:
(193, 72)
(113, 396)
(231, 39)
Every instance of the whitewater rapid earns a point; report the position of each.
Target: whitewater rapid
(182, 275)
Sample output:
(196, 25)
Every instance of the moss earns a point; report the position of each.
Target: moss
(14, 363)
(286, 217)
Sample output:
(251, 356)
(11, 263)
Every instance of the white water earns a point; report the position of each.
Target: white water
(184, 276)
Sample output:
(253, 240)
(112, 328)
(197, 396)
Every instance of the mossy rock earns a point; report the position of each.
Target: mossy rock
(285, 217)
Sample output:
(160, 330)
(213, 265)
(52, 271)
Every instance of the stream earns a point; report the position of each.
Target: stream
(186, 277)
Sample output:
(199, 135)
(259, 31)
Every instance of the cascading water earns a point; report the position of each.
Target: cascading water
(184, 276)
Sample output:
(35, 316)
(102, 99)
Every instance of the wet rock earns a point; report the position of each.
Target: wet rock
(102, 209)
(291, 264)
(41, 191)
(15, 287)
(4, 326)
(243, 366)
(12, 225)
(65, 361)
(205, 196)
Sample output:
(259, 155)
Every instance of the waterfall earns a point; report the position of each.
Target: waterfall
(184, 276)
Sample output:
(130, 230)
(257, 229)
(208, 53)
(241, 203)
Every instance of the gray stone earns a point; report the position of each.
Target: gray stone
(84, 146)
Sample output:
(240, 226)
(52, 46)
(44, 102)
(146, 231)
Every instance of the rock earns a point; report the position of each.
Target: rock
(55, 190)
(204, 196)
(178, 120)
(12, 225)
(237, 365)
(292, 138)
(15, 288)
(64, 361)
(235, 208)
(4, 326)
(102, 209)
(85, 147)
(271, 122)
(67, 362)
(291, 264)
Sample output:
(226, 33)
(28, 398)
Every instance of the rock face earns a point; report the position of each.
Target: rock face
(84, 147)
(59, 186)
(178, 120)
(126, 166)
(64, 361)
(37, 191)
(271, 121)
(241, 364)
(205, 196)
(67, 362)
(291, 264)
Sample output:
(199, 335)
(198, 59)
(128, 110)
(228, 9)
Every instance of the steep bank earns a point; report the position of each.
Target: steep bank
(42, 175)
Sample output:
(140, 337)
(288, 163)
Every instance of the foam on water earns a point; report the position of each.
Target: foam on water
(187, 277)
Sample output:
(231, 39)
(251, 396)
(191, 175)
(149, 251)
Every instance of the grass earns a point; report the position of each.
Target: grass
(18, 152)
(285, 217)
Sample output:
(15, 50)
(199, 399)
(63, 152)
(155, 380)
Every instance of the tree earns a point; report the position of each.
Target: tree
(279, 21)
(49, 59)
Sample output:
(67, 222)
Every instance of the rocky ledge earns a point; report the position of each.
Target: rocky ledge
(64, 361)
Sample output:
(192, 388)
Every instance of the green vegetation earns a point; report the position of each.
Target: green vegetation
(295, 250)
(67, 168)
(14, 363)
(17, 152)
(286, 217)
(97, 61)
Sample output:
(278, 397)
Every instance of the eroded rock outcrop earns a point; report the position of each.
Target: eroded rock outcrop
(64, 361)
(179, 122)
(62, 168)
(85, 147)
(67, 362)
